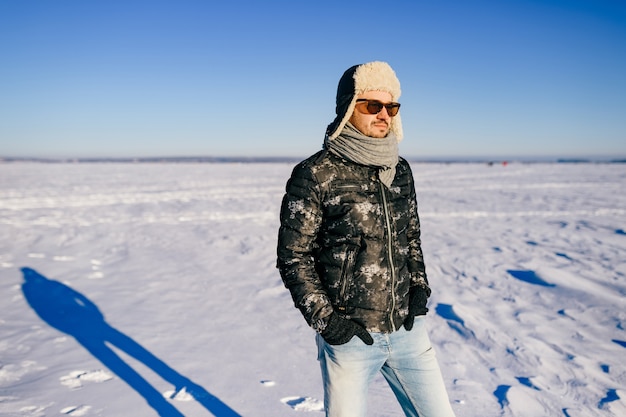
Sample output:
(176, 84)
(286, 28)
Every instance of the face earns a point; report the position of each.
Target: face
(373, 125)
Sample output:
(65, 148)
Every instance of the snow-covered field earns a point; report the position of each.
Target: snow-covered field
(124, 284)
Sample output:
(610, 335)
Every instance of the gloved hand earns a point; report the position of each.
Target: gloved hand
(340, 330)
(418, 296)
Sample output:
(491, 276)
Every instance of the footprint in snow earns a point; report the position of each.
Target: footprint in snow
(76, 411)
(75, 379)
(62, 258)
(297, 403)
(32, 410)
(95, 268)
(180, 395)
(303, 403)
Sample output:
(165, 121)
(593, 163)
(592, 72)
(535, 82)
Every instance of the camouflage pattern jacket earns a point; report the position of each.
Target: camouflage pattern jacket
(349, 244)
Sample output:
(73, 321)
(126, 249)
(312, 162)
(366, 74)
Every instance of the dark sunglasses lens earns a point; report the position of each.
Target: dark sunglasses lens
(374, 107)
(392, 109)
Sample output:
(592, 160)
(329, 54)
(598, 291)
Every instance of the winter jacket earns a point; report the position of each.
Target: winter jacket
(348, 244)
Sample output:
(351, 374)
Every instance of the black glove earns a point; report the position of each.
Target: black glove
(418, 296)
(340, 330)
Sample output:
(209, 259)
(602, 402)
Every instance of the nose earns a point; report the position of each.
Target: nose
(383, 115)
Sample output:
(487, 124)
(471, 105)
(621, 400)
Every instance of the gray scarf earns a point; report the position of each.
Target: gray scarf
(376, 152)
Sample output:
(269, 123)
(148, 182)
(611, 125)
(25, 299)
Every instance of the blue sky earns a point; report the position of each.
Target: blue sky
(480, 78)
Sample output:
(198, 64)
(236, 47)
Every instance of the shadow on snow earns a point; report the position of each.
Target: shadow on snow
(71, 312)
(530, 277)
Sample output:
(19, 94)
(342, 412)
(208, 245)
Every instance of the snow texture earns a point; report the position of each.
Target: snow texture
(151, 289)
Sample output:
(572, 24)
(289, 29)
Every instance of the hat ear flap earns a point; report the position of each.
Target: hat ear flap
(396, 127)
(344, 102)
(338, 124)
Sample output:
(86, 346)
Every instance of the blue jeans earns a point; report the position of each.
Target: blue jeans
(406, 360)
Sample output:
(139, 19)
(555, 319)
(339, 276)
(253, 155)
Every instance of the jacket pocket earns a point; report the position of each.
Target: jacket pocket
(345, 280)
(340, 186)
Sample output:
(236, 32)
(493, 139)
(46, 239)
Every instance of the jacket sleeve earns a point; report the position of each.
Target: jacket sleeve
(416, 257)
(300, 220)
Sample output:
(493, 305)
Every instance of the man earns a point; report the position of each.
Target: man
(349, 252)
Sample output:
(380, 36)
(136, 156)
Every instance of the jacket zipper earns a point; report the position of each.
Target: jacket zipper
(389, 254)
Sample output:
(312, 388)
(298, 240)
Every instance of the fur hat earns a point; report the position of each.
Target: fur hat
(372, 76)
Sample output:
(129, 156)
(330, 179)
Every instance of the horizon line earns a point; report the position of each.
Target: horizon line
(295, 159)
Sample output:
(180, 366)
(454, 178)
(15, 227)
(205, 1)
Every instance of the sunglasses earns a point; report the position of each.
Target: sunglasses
(375, 106)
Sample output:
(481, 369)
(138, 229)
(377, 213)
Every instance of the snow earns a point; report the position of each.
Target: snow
(139, 289)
